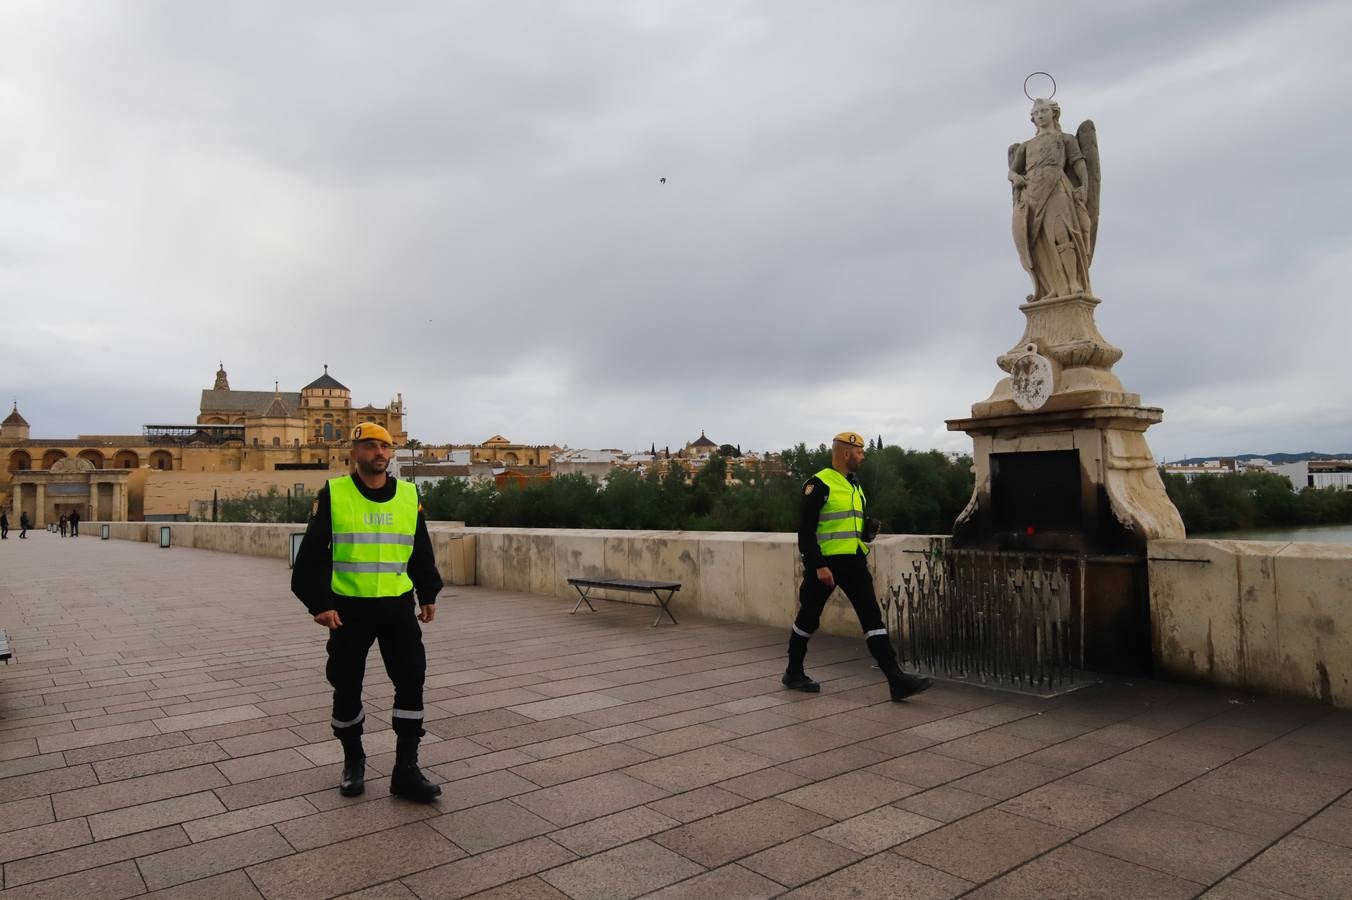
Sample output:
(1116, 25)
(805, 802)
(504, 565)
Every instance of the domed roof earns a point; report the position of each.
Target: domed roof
(702, 441)
(72, 464)
(326, 381)
(14, 418)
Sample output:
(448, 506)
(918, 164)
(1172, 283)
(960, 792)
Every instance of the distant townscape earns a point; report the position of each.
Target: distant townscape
(280, 447)
(259, 455)
(1310, 469)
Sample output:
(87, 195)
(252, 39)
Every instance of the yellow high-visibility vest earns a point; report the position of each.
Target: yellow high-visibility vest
(372, 542)
(840, 525)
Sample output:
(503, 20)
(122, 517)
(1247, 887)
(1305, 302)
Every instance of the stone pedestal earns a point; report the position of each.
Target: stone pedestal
(1101, 492)
(1062, 466)
(1061, 330)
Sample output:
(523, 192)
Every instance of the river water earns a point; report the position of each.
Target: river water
(1315, 534)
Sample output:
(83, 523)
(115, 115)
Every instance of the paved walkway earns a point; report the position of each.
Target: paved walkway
(165, 729)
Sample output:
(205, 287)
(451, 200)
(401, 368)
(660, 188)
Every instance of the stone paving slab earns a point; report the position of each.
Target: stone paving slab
(164, 732)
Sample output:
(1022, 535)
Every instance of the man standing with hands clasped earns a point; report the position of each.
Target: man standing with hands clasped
(365, 552)
(833, 538)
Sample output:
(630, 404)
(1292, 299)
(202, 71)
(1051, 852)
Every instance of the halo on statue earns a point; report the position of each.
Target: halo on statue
(1030, 78)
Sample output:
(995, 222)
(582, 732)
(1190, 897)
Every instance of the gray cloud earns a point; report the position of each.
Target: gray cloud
(461, 202)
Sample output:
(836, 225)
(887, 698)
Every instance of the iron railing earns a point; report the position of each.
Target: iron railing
(1012, 619)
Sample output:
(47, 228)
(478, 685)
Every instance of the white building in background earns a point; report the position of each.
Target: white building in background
(1298, 473)
(1330, 473)
(595, 464)
(1193, 471)
(1315, 473)
(427, 467)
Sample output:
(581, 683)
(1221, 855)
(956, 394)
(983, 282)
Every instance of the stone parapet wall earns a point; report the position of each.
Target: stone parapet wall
(118, 531)
(735, 576)
(1271, 617)
(453, 545)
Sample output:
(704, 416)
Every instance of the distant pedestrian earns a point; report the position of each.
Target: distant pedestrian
(62, 525)
(75, 524)
(4, 525)
(23, 525)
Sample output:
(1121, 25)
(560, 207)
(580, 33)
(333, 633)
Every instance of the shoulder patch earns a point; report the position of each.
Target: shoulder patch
(807, 488)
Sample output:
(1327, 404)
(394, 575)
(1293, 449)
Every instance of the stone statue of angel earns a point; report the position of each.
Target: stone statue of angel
(1056, 203)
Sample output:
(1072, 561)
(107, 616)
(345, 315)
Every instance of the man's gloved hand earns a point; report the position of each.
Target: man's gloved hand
(872, 527)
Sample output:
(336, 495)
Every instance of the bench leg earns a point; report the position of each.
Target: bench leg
(581, 599)
(665, 608)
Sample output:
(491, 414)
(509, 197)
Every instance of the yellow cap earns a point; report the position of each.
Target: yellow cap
(850, 437)
(370, 431)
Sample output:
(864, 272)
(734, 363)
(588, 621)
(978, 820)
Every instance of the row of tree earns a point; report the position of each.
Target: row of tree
(912, 492)
(273, 506)
(1254, 500)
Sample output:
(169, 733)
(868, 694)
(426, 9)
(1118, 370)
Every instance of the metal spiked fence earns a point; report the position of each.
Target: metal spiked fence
(1011, 619)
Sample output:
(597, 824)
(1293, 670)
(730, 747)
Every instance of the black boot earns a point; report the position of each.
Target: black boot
(795, 679)
(407, 780)
(354, 767)
(899, 684)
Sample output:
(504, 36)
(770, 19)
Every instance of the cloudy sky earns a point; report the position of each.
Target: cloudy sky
(460, 202)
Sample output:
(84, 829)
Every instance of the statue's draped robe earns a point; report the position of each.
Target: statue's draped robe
(1052, 231)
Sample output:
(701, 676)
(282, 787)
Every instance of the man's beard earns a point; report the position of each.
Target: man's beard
(370, 468)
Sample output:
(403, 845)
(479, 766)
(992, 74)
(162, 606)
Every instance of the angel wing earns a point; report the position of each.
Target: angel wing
(1019, 222)
(1087, 136)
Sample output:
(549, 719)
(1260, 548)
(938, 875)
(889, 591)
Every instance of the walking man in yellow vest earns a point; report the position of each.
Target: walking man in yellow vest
(833, 538)
(365, 552)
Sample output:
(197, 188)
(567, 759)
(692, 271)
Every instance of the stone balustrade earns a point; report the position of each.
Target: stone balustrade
(453, 545)
(735, 576)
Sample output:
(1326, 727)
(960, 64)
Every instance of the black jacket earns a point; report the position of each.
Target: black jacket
(311, 579)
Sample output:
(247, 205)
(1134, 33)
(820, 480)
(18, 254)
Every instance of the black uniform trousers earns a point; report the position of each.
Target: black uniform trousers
(852, 576)
(392, 622)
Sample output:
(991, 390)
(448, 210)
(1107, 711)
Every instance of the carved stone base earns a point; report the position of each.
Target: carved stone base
(1062, 330)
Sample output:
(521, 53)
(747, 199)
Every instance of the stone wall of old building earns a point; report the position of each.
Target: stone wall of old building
(184, 493)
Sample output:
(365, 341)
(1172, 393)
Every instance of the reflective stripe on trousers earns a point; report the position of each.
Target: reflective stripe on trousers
(361, 717)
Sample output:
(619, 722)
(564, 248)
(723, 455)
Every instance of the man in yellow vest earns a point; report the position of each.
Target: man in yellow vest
(833, 538)
(365, 552)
